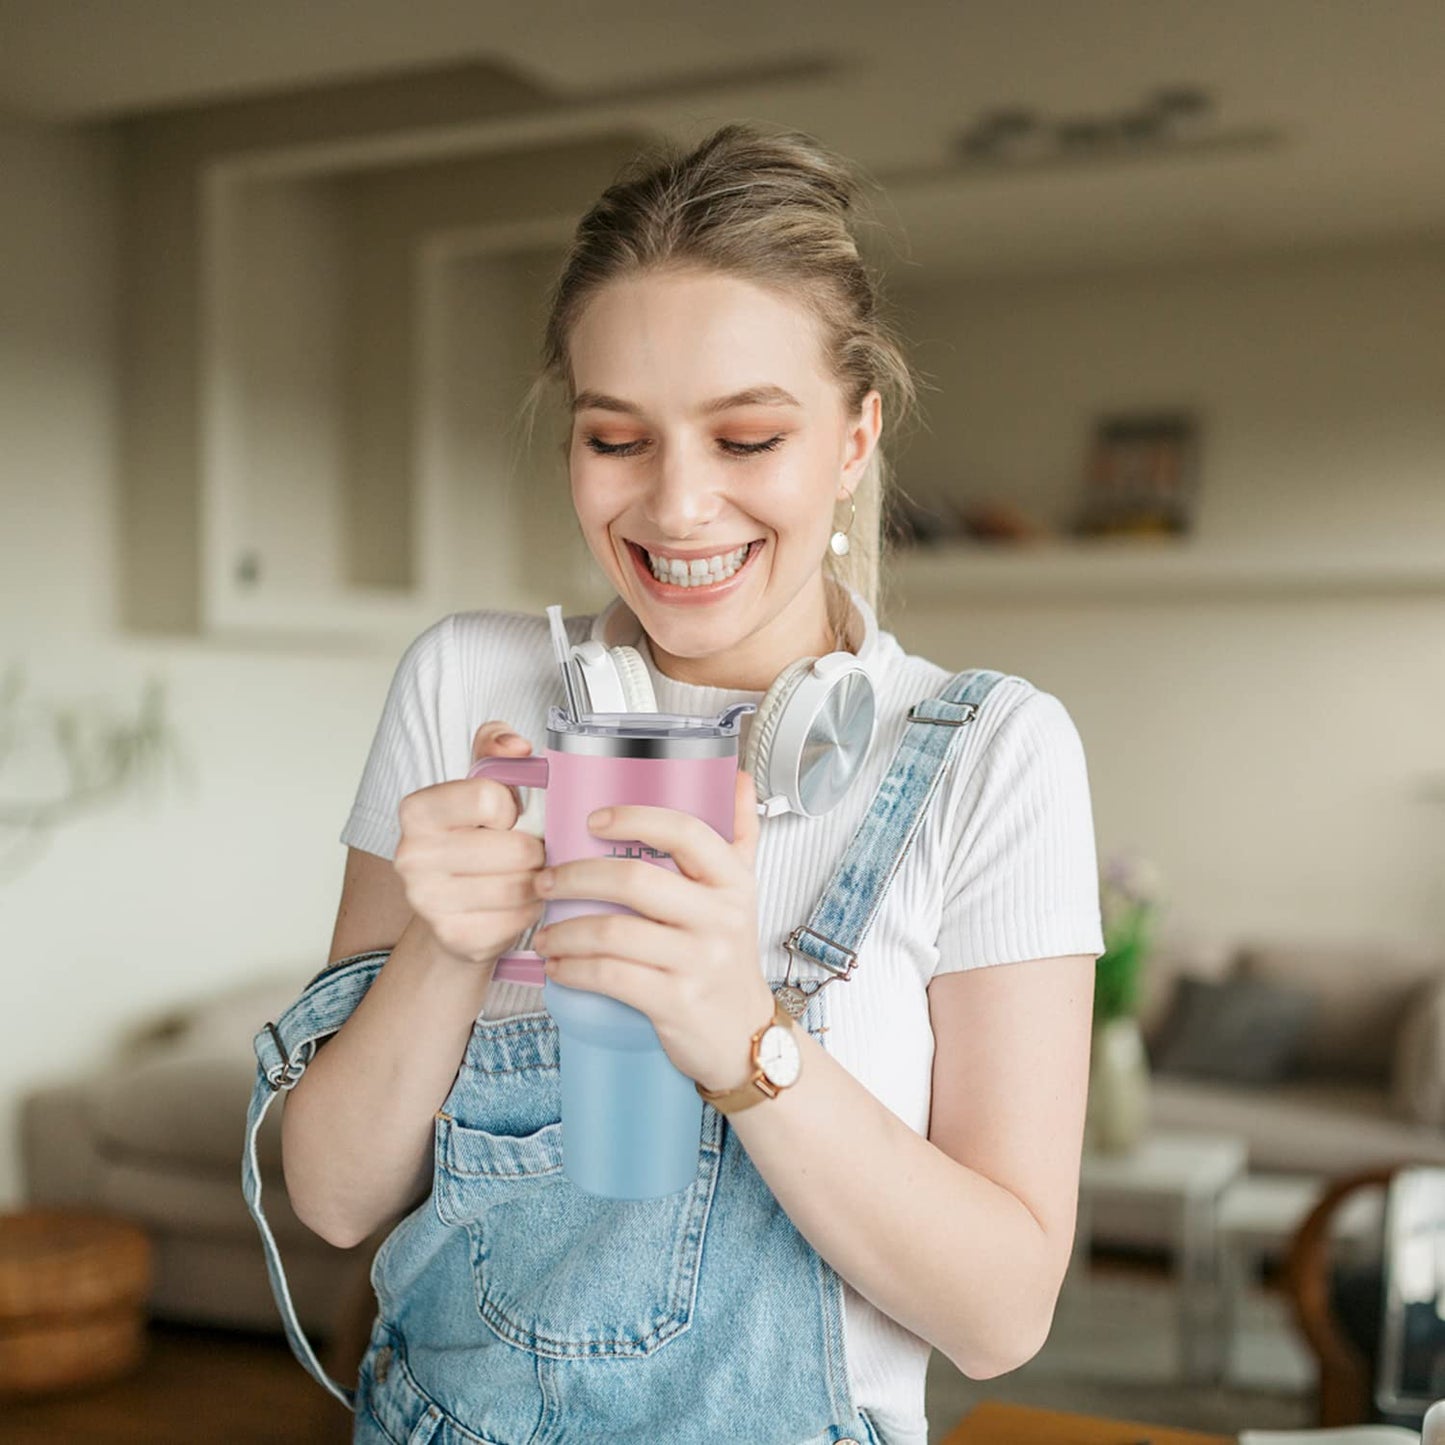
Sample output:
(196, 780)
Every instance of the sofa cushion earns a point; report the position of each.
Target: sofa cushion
(1364, 990)
(1247, 1030)
(1417, 1081)
(1173, 957)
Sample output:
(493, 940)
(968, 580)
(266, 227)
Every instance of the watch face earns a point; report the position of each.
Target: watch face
(779, 1057)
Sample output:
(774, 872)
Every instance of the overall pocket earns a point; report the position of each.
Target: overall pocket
(562, 1272)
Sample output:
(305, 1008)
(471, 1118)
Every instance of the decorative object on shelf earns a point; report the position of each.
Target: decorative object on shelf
(914, 524)
(1001, 521)
(1117, 1114)
(1171, 119)
(1142, 476)
(908, 522)
(101, 757)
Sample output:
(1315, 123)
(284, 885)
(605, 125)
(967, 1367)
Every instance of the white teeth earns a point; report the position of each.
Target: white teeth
(700, 571)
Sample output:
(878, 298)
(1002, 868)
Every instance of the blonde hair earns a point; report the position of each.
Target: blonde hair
(773, 208)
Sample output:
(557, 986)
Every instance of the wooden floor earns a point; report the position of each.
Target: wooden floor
(235, 1388)
(195, 1385)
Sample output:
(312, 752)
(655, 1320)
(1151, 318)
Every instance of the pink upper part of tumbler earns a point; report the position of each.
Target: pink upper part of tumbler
(577, 785)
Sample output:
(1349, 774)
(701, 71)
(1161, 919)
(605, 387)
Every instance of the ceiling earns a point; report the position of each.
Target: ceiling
(1349, 89)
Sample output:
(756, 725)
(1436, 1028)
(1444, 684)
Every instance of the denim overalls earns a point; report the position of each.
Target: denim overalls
(516, 1309)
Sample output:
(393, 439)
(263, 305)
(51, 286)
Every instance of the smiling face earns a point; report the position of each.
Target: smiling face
(704, 421)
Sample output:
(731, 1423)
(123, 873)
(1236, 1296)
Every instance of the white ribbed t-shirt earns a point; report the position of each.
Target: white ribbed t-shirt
(1002, 867)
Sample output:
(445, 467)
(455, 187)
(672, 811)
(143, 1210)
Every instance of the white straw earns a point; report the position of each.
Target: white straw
(562, 648)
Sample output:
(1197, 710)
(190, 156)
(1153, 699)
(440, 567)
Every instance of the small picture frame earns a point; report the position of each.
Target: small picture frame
(1142, 476)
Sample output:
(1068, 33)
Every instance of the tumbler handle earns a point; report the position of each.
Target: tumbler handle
(522, 965)
(519, 772)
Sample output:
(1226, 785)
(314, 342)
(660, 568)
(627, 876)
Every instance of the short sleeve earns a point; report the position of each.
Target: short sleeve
(407, 750)
(1022, 879)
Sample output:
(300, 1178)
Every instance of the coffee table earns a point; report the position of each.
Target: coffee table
(1184, 1173)
(1258, 1216)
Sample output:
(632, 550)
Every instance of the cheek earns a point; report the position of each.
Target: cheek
(595, 493)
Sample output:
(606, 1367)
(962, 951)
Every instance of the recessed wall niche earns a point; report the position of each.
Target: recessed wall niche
(325, 348)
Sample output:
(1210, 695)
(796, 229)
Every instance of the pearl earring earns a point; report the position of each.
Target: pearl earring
(838, 542)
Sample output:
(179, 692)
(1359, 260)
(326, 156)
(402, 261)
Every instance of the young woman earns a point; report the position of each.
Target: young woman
(729, 375)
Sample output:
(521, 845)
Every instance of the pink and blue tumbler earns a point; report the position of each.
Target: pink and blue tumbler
(631, 1120)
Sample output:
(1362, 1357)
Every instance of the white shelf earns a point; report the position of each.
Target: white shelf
(1125, 568)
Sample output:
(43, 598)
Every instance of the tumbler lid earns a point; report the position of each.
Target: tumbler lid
(647, 734)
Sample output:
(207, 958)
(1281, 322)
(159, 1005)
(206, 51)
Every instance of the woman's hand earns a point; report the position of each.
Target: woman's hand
(467, 871)
(688, 956)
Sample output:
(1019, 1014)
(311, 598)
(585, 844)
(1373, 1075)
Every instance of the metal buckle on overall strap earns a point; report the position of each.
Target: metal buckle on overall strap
(791, 944)
(288, 1072)
(970, 712)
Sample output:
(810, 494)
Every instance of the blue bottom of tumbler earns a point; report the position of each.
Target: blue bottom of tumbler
(631, 1120)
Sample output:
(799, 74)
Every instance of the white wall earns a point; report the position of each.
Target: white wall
(1270, 754)
(1266, 753)
(152, 901)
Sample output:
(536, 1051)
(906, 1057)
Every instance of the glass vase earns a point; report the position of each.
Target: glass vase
(1117, 1114)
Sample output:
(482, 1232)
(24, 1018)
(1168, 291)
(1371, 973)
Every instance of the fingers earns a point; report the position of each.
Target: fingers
(697, 848)
(646, 888)
(461, 803)
(497, 739)
(437, 894)
(469, 802)
(469, 852)
(745, 819)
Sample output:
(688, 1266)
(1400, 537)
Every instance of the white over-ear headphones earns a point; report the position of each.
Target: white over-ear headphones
(812, 731)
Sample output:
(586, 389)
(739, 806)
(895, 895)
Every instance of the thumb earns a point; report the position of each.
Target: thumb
(745, 817)
(497, 738)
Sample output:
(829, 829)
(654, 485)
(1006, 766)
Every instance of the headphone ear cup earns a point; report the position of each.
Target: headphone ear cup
(757, 756)
(636, 682)
(615, 678)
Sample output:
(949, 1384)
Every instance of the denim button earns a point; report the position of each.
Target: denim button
(381, 1366)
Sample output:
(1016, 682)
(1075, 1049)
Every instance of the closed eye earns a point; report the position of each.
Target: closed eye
(730, 448)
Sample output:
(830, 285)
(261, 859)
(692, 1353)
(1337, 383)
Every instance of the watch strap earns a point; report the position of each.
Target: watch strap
(759, 1087)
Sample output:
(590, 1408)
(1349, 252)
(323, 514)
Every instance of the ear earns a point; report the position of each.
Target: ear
(860, 439)
(745, 818)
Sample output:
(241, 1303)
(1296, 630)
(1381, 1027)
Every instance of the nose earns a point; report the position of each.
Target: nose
(682, 497)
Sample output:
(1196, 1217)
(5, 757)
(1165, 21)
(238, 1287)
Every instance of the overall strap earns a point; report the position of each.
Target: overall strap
(832, 935)
(283, 1049)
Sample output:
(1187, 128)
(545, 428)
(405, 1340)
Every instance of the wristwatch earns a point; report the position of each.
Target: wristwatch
(777, 1062)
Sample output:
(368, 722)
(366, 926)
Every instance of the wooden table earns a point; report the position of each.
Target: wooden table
(996, 1423)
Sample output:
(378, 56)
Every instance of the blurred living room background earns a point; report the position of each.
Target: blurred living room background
(1173, 274)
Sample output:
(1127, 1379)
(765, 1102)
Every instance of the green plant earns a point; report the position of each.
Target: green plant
(1128, 898)
(100, 758)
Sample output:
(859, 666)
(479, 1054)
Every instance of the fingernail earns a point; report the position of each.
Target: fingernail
(600, 819)
(542, 880)
(507, 737)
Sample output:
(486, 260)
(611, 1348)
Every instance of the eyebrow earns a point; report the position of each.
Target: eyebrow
(753, 396)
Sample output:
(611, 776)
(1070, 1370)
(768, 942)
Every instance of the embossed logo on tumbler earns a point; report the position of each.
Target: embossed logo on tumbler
(631, 1120)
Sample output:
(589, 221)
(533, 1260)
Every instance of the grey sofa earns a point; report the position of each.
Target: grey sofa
(1359, 1094)
(157, 1133)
